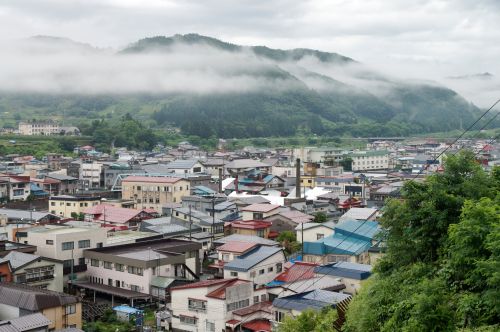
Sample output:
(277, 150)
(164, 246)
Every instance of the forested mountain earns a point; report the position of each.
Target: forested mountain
(207, 87)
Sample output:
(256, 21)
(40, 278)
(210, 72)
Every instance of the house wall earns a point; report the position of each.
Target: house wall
(253, 232)
(260, 279)
(65, 208)
(57, 316)
(154, 196)
(249, 215)
(370, 161)
(55, 284)
(126, 279)
(311, 235)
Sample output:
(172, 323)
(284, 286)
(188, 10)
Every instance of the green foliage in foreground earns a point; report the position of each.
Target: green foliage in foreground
(441, 271)
(313, 321)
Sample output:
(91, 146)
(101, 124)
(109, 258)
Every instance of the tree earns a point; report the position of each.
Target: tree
(320, 217)
(346, 163)
(288, 240)
(442, 256)
(309, 320)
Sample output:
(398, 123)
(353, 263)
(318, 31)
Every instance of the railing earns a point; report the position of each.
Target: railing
(41, 278)
(76, 269)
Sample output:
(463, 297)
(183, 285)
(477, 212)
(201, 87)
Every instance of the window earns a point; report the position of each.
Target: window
(70, 309)
(68, 245)
(279, 267)
(234, 274)
(49, 242)
(238, 305)
(119, 267)
(135, 288)
(270, 269)
(188, 320)
(67, 263)
(81, 261)
(84, 244)
(99, 244)
(263, 297)
(134, 270)
(52, 203)
(258, 216)
(256, 299)
(21, 278)
(197, 305)
(210, 326)
(319, 236)
(108, 265)
(94, 262)
(279, 316)
(261, 271)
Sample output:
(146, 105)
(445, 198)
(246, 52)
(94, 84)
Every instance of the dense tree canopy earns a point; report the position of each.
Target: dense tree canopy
(441, 271)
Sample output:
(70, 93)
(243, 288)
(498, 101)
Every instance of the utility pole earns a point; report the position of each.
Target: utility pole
(213, 220)
(302, 236)
(190, 222)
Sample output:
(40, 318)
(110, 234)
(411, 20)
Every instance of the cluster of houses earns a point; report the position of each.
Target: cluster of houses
(236, 241)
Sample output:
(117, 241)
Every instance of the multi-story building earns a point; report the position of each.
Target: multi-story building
(369, 160)
(18, 187)
(143, 266)
(63, 310)
(68, 206)
(217, 305)
(153, 192)
(66, 244)
(90, 174)
(67, 184)
(34, 270)
(259, 211)
(46, 128)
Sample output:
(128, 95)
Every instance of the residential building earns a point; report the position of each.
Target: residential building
(350, 243)
(137, 270)
(68, 206)
(206, 222)
(246, 238)
(294, 305)
(212, 166)
(116, 217)
(250, 227)
(203, 204)
(216, 305)
(255, 182)
(68, 185)
(314, 231)
(19, 187)
(8, 246)
(243, 166)
(369, 160)
(63, 310)
(90, 175)
(154, 192)
(259, 211)
(288, 220)
(356, 213)
(15, 216)
(46, 128)
(29, 323)
(66, 244)
(229, 251)
(181, 166)
(351, 274)
(34, 270)
(259, 265)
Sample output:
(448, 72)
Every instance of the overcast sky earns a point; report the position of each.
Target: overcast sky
(428, 39)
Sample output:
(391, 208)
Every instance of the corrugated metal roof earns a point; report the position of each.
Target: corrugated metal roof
(315, 300)
(248, 260)
(30, 322)
(32, 298)
(18, 259)
(246, 238)
(346, 270)
(182, 164)
(260, 207)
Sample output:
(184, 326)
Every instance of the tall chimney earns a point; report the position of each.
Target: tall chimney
(220, 180)
(297, 178)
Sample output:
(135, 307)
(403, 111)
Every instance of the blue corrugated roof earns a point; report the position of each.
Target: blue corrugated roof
(245, 262)
(316, 299)
(358, 228)
(345, 270)
(126, 309)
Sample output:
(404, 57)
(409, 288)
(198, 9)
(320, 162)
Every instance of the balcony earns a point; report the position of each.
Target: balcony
(41, 278)
(76, 269)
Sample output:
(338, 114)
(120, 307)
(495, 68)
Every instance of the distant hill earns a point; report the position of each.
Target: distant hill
(207, 87)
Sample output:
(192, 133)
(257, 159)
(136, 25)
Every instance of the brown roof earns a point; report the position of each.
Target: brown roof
(151, 179)
(236, 246)
(32, 298)
(260, 207)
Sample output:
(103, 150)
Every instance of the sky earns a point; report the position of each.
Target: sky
(422, 39)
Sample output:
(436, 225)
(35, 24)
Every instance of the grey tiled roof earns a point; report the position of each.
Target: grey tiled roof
(246, 238)
(25, 323)
(250, 259)
(32, 298)
(18, 259)
(182, 164)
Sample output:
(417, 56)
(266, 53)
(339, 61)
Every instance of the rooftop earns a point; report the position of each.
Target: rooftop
(346, 270)
(18, 259)
(246, 238)
(33, 298)
(236, 246)
(25, 323)
(151, 179)
(260, 207)
(251, 224)
(316, 300)
(250, 259)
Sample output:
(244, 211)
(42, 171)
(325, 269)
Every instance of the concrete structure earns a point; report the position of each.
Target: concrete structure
(314, 231)
(215, 305)
(66, 206)
(350, 274)
(34, 270)
(90, 175)
(31, 128)
(63, 310)
(369, 160)
(66, 244)
(181, 166)
(153, 192)
(135, 267)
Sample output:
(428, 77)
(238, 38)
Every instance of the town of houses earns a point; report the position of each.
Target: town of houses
(198, 237)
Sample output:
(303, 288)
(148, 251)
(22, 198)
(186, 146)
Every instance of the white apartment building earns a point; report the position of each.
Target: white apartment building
(369, 160)
(31, 128)
(216, 305)
(90, 174)
(66, 243)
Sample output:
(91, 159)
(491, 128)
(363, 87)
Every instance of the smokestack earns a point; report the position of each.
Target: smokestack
(220, 180)
(236, 184)
(297, 178)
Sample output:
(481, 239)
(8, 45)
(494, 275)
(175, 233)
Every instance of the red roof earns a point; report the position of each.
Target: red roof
(220, 293)
(260, 207)
(251, 224)
(109, 213)
(151, 179)
(298, 271)
(261, 306)
(236, 246)
(232, 322)
(258, 325)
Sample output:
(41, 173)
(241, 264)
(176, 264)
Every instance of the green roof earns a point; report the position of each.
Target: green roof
(370, 153)
(162, 282)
